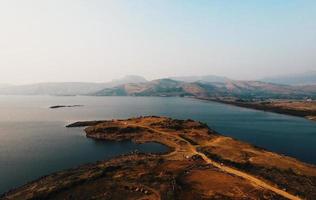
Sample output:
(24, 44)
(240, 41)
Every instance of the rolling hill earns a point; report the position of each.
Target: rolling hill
(160, 87)
(235, 89)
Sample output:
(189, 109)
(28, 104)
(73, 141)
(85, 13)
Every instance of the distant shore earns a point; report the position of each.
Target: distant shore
(295, 108)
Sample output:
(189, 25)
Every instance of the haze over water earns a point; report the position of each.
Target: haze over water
(35, 142)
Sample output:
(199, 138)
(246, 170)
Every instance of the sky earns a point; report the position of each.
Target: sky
(101, 40)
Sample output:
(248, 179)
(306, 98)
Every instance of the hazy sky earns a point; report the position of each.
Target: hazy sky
(98, 40)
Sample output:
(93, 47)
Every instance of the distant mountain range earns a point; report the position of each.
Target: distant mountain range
(229, 88)
(194, 86)
(307, 78)
(66, 88)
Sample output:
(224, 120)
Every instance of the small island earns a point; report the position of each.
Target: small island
(201, 164)
(64, 106)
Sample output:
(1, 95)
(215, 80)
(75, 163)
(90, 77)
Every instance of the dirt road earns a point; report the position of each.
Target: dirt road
(193, 150)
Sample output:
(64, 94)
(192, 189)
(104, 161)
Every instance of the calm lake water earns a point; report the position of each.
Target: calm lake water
(34, 141)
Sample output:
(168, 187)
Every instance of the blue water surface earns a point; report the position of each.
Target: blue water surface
(34, 141)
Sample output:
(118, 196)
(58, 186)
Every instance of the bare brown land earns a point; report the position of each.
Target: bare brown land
(201, 164)
(305, 109)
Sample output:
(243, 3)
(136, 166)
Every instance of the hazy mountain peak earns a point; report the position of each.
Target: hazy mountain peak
(166, 80)
(68, 88)
(131, 79)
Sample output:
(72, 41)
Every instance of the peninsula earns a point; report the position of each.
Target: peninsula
(201, 164)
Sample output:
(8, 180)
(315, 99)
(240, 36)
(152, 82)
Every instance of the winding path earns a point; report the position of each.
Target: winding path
(247, 177)
(193, 149)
